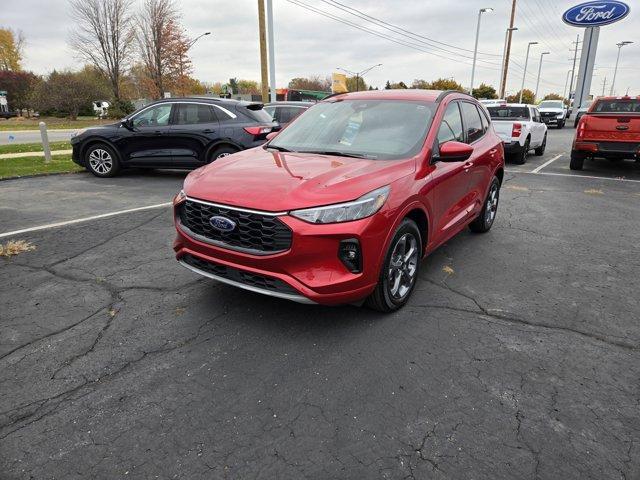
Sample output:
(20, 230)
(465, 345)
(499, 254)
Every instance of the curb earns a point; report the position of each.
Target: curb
(41, 175)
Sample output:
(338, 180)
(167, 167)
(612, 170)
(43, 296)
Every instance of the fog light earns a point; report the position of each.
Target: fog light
(350, 255)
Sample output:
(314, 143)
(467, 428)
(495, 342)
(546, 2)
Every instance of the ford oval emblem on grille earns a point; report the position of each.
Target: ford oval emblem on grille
(223, 224)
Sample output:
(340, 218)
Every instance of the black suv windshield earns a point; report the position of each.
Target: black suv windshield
(376, 129)
(504, 112)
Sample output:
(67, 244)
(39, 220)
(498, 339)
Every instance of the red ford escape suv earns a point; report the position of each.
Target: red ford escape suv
(343, 203)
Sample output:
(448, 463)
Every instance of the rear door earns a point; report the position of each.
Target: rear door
(479, 166)
(450, 196)
(195, 128)
(149, 142)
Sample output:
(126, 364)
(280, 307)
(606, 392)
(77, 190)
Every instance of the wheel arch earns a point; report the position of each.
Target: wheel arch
(221, 143)
(96, 140)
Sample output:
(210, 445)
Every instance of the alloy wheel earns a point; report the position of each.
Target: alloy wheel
(100, 161)
(492, 205)
(403, 266)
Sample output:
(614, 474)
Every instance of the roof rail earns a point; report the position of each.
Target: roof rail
(448, 92)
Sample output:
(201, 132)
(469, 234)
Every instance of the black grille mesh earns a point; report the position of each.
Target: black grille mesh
(254, 232)
(240, 276)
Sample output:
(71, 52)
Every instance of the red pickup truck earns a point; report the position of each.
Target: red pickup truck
(610, 129)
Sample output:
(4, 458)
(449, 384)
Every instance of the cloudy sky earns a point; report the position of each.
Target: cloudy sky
(308, 43)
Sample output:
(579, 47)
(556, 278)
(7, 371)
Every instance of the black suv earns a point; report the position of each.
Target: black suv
(173, 133)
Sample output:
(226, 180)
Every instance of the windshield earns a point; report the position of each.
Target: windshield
(505, 112)
(617, 106)
(376, 129)
(551, 104)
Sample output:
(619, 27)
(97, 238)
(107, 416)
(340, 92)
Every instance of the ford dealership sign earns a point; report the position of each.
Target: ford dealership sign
(595, 14)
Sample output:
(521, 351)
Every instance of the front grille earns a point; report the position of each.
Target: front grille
(254, 233)
(628, 147)
(240, 276)
(548, 114)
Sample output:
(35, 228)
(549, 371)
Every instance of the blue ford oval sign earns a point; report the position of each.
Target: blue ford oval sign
(223, 224)
(595, 14)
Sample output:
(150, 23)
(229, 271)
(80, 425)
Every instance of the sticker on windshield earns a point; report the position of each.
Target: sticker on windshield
(353, 127)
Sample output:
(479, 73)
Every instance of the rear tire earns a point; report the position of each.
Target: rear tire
(400, 270)
(221, 152)
(577, 161)
(521, 157)
(540, 150)
(101, 160)
(484, 221)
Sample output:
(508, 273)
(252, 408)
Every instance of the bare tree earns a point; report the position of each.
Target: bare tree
(104, 36)
(163, 44)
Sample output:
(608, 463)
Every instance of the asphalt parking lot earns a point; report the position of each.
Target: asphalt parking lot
(517, 357)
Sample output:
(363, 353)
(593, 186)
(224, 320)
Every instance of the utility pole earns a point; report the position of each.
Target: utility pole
(263, 52)
(573, 68)
(272, 59)
(503, 84)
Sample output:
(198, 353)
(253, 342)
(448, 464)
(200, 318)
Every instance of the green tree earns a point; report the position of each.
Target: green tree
(485, 91)
(387, 86)
(527, 97)
(313, 82)
(352, 86)
(446, 84)
(233, 83)
(421, 84)
(250, 87)
(397, 86)
(553, 96)
(68, 93)
(19, 87)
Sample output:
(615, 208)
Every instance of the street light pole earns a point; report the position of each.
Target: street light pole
(524, 74)
(566, 82)
(504, 57)
(475, 49)
(535, 95)
(189, 45)
(359, 75)
(615, 71)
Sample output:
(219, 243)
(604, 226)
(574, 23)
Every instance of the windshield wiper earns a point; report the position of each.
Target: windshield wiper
(338, 153)
(280, 149)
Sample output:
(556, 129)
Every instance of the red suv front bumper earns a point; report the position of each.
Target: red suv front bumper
(311, 270)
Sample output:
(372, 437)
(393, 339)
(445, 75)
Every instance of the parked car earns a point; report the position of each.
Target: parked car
(581, 111)
(610, 129)
(521, 129)
(285, 112)
(342, 204)
(553, 112)
(173, 133)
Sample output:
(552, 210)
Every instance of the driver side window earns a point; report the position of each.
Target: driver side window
(451, 126)
(156, 116)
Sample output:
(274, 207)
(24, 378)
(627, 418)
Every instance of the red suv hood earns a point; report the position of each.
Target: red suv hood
(275, 181)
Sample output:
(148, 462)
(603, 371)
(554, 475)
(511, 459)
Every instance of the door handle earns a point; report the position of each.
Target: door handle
(157, 132)
(208, 130)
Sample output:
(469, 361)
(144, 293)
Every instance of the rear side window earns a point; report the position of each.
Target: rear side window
(472, 121)
(255, 112)
(286, 114)
(504, 112)
(617, 106)
(451, 126)
(193, 113)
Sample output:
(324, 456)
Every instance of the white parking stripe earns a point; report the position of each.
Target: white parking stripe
(81, 220)
(537, 169)
(577, 176)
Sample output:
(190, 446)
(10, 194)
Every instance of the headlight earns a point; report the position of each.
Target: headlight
(560, 115)
(179, 198)
(364, 206)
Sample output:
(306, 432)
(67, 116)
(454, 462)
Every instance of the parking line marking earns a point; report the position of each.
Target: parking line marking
(81, 220)
(577, 176)
(536, 170)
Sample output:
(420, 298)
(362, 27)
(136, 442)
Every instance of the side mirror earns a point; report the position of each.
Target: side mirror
(454, 152)
(272, 135)
(127, 123)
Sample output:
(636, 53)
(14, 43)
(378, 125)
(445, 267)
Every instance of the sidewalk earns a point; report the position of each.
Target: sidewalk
(33, 154)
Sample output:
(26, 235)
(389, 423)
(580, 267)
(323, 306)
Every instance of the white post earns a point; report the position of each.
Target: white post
(45, 142)
(272, 60)
(475, 53)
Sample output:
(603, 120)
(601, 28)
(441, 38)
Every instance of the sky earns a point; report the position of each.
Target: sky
(308, 43)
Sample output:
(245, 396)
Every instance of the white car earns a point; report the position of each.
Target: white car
(520, 128)
(553, 112)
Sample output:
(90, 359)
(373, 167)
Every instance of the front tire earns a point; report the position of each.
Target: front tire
(101, 160)
(484, 221)
(400, 269)
(221, 152)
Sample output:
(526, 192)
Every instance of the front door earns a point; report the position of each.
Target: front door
(149, 142)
